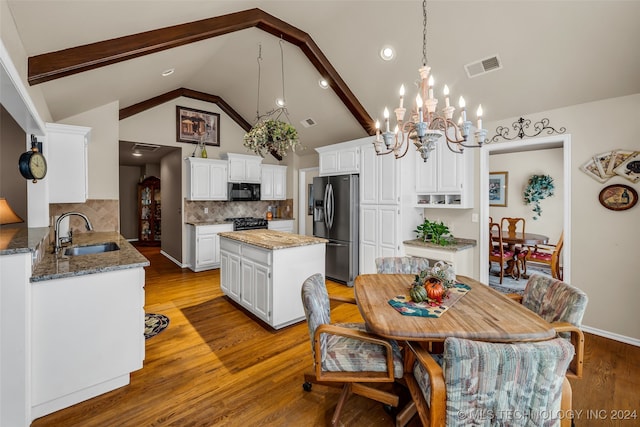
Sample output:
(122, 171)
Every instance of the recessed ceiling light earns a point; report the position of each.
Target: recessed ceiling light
(324, 84)
(280, 102)
(168, 72)
(387, 53)
(136, 154)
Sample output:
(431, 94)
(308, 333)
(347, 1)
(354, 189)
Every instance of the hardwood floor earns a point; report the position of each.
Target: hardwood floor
(216, 365)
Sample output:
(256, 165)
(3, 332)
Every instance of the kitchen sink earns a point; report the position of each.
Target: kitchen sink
(92, 249)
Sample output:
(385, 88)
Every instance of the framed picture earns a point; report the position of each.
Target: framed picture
(498, 186)
(195, 126)
(618, 197)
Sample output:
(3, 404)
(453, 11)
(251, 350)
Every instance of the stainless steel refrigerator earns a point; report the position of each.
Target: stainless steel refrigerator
(335, 217)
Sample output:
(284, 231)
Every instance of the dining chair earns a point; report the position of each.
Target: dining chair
(486, 384)
(346, 354)
(498, 252)
(513, 226)
(563, 306)
(548, 254)
(401, 265)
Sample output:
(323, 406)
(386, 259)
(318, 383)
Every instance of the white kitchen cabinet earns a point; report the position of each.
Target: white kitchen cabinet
(273, 184)
(67, 163)
(204, 245)
(206, 179)
(444, 181)
(266, 282)
(379, 235)
(340, 159)
(379, 177)
(87, 336)
(284, 225)
(243, 167)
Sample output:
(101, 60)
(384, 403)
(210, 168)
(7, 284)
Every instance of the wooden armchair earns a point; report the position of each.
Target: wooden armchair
(563, 306)
(549, 255)
(481, 383)
(345, 354)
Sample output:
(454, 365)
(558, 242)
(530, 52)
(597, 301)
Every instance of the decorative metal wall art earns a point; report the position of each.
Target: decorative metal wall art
(521, 126)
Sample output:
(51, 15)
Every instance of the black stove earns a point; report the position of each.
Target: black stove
(248, 223)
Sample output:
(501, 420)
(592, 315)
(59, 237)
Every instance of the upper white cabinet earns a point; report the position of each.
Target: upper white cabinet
(444, 181)
(273, 185)
(206, 179)
(243, 167)
(67, 163)
(340, 159)
(379, 177)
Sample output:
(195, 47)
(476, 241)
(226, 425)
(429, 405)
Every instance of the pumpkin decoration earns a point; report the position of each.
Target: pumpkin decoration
(417, 292)
(434, 289)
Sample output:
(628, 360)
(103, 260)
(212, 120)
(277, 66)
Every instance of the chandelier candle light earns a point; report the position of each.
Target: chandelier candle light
(427, 126)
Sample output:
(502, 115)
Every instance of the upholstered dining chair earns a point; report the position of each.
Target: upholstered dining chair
(346, 354)
(563, 306)
(401, 265)
(498, 252)
(487, 384)
(548, 254)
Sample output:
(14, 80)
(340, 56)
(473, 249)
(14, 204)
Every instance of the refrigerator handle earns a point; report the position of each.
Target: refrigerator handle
(325, 206)
(333, 206)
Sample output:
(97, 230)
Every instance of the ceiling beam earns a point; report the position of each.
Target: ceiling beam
(66, 62)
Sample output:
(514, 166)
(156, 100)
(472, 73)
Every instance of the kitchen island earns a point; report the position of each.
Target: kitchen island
(263, 271)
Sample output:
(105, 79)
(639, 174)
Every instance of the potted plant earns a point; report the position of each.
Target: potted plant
(272, 136)
(436, 232)
(539, 188)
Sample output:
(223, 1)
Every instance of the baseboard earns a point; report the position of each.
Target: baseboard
(172, 259)
(611, 335)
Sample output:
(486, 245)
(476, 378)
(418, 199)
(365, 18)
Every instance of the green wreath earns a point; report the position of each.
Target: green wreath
(539, 188)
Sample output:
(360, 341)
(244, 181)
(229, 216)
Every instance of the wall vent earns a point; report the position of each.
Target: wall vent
(149, 148)
(483, 66)
(308, 122)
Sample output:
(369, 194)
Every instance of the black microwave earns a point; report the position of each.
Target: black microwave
(242, 191)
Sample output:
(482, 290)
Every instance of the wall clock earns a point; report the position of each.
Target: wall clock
(32, 164)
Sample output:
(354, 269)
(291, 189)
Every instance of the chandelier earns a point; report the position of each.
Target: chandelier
(427, 125)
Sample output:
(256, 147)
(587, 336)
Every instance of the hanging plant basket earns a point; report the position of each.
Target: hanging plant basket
(539, 188)
(272, 136)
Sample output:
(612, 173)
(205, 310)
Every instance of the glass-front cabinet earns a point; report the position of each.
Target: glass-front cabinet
(149, 212)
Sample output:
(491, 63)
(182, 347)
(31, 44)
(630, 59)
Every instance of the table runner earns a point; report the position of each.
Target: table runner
(404, 305)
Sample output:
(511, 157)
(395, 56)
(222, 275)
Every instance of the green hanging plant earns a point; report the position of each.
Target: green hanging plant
(539, 188)
(272, 136)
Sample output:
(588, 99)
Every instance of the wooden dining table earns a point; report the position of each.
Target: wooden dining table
(482, 314)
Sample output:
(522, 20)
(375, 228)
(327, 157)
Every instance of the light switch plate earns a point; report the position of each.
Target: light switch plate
(474, 217)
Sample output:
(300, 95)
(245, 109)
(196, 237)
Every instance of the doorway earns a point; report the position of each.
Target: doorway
(305, 217)
(533, 144)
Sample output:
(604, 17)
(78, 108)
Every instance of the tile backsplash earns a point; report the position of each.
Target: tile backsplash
(218, 211)
(103, 214)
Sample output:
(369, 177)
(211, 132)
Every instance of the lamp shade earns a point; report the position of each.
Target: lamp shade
(7, 215)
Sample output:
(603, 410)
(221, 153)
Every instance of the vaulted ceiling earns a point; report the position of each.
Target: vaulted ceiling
(554, 54)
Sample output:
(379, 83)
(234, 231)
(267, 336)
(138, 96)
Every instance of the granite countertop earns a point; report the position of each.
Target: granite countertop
(59, 266)
(14, 240)
(271, 239)
(458, 245)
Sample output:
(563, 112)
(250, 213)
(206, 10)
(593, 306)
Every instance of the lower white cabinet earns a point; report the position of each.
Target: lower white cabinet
(379, 235)
(204, 244)
(267, 282)
(87, 336)
(285, 225)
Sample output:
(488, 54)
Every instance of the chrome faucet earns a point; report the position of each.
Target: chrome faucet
(57, 244)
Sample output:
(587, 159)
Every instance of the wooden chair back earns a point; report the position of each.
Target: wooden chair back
(513, 225)
(497, 251)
